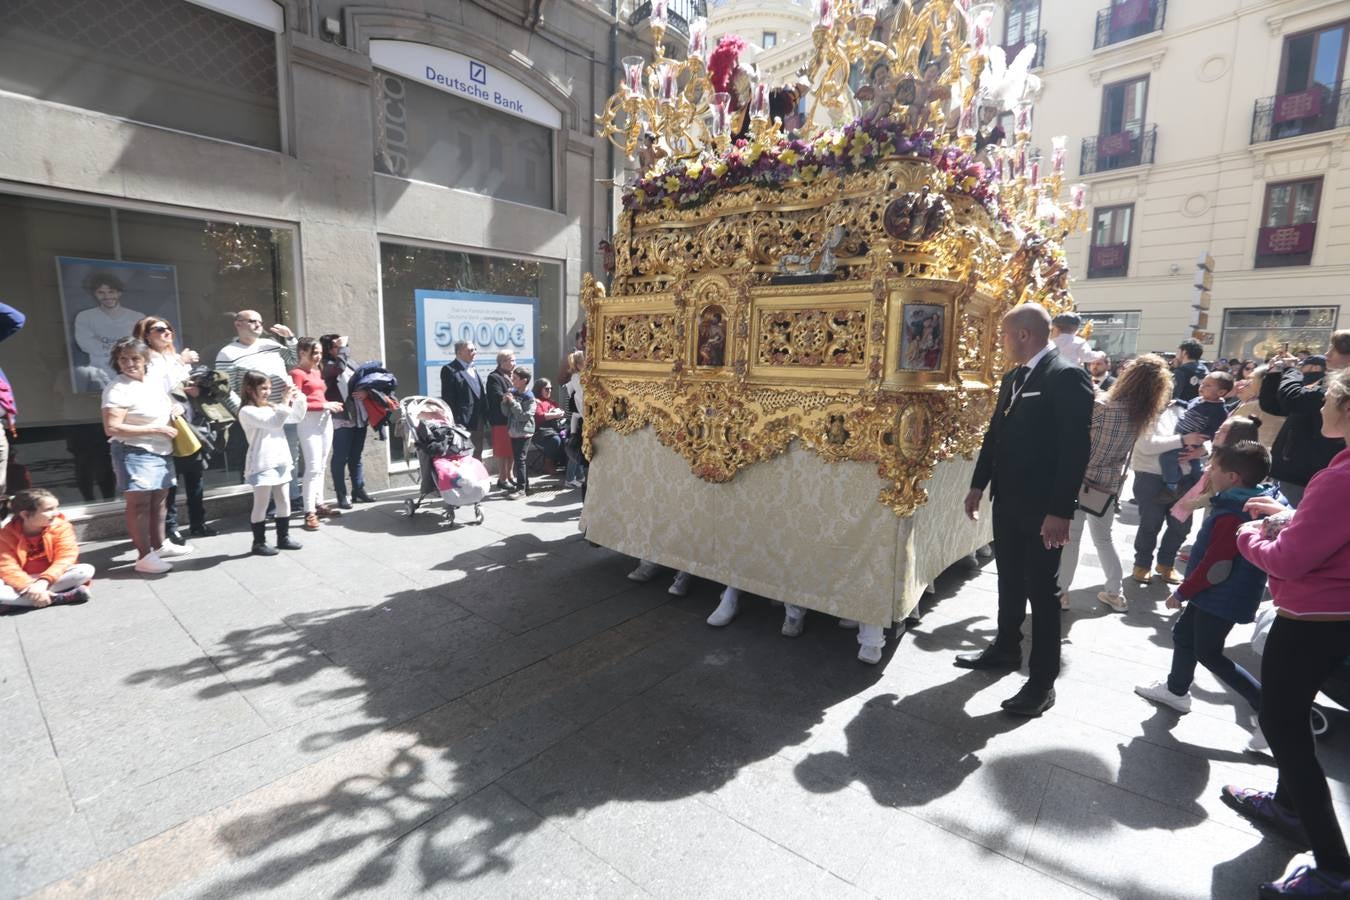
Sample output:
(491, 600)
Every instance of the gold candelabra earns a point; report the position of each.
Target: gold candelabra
(661, 107)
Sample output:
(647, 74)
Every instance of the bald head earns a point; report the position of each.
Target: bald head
(1026, 330)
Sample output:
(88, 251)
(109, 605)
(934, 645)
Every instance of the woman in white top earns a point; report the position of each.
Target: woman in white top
(576, 462)
(171, 368)
(136, 415)
(267, 467)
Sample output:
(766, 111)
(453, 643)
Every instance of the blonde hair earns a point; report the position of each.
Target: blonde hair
(575, 360)
(1338, 388)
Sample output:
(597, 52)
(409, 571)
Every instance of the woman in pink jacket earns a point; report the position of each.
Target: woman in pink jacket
(1308, 561)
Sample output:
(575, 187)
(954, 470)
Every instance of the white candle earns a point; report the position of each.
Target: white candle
(670, 86)
(1078, 196)
(1058, 154)
(659, 16)
(721, 114)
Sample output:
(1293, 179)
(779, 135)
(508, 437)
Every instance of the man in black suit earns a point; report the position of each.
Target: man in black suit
(462, 388)
(1035, 452)
(1099, 367)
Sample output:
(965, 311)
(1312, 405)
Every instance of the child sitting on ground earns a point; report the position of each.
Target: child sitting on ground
(1198, 424)
(38, 554)
(1221, 589)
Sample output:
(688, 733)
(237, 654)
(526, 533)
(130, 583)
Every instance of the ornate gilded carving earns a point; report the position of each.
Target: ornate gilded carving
(809, 338)
(755, 366)
(640, 337)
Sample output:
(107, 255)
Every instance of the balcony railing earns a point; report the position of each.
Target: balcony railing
(1320, 108)
(1011, 51)
(1106, 152)
(1109, 261)
(1130, 19)
(679, 12)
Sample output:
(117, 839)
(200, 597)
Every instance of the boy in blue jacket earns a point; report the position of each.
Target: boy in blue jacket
(1222, 588)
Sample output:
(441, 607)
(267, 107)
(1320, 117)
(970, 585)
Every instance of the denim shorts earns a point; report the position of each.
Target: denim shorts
(140, 470)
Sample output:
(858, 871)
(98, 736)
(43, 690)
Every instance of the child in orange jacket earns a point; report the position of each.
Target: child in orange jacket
(38, 554)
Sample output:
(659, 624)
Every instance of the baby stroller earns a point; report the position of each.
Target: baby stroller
(445, 461)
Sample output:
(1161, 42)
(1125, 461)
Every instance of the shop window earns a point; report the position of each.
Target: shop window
(163, 62)
(466, 295)
(1288, 224)
(770, 40)
(430, 135)
(1264, 332)
(1109, 254)
(1114, 333)
(193, 272)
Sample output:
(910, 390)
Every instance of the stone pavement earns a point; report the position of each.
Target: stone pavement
(401, 708)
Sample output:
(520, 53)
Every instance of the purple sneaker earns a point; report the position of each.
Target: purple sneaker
(1305, 881)
(1260, 808)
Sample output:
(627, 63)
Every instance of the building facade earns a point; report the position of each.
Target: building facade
(406, 173)
(1220, 127)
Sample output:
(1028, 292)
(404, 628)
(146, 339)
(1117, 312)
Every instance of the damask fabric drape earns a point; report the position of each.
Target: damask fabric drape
(794, 528)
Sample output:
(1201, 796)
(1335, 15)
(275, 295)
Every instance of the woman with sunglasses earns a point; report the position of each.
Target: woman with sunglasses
(316, 429)
(170, 367)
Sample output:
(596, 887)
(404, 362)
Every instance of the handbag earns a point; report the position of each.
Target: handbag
(185, 440)
(1096, 502)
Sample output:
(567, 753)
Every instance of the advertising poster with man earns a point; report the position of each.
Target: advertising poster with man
(492, 322)
(101, 300)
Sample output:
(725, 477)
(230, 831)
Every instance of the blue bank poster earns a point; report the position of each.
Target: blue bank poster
(492, 321)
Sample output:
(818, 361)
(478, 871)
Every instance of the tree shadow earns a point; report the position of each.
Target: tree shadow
(618, 698)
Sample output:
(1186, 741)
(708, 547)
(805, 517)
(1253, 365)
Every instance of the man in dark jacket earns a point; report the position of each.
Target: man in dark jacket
(1190, 371)
(463, 391)
(1035, 452)
(1300, 450)
(498, 386)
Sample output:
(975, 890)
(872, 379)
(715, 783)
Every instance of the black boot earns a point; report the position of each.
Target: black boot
(360, 496)
(342, 501)
(284, 541)
(260, 547)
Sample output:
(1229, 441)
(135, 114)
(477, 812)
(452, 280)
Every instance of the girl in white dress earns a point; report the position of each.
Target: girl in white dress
(267, 467)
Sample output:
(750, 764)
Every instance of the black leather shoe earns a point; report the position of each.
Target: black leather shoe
(360, 496)
(990, 658)
(344, 503)
(203, 531)
(1030, 701)
(176, 536)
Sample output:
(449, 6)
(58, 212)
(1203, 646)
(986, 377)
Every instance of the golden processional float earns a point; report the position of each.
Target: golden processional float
(796, 361)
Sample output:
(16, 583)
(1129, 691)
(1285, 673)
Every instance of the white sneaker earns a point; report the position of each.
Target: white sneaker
(574, 483)
(1258, 743)
(1115, 601)
(727, 609)
(794, 620)
(871, 640)
(151, 564)
(1158, 693)
(644, 571)
(680, 586)
(170, 550)
(870, 654)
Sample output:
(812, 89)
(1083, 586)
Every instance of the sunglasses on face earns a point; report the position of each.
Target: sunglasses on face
(250, 321)
(161, 329)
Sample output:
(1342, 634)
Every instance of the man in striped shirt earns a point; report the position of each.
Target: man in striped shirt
(250, 351)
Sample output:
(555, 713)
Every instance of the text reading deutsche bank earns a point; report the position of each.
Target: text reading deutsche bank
(472, 90)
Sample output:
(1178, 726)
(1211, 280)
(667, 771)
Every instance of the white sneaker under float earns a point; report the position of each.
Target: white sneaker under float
(794, 620)
(727, 609)
(680, 586)
(151, 564)
(170, 550)
(644, 572)
(872, 641)
(1158, 693)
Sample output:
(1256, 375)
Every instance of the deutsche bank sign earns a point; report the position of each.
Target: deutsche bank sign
(492, 322)
(458, 74)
